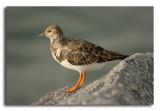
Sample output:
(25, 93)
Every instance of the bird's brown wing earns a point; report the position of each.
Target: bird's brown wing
(80, 52)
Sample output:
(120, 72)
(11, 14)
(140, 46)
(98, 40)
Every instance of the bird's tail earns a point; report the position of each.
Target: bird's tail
(114, 55)
(123, 56)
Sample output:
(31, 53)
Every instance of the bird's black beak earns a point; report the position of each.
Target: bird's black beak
(41, 34)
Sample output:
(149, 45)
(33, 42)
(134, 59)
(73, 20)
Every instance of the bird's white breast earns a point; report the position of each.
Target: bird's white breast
(54, 57)
(81, 68)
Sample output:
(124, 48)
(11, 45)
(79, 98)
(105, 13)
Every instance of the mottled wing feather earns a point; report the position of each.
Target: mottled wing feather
(79, 52)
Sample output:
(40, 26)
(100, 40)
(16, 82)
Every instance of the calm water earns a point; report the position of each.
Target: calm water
(30, 69)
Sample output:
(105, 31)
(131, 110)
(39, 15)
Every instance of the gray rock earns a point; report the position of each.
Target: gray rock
(128, 83)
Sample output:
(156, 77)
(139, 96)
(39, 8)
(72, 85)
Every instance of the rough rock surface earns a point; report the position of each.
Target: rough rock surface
(128, 83)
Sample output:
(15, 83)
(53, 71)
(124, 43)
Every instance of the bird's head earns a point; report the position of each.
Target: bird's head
(53, 32)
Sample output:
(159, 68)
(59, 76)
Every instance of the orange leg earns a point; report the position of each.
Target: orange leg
(76, 86)
(84, 74)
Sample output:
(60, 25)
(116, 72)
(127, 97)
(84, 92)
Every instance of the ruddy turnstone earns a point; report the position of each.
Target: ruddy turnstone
(77, 54)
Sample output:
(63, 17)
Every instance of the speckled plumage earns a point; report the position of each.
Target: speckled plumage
(78, 54)
(81, 52)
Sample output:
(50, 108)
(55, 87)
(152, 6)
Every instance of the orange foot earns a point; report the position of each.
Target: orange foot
(79, 84)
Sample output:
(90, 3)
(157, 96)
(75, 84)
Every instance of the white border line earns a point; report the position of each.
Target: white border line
(155, 3)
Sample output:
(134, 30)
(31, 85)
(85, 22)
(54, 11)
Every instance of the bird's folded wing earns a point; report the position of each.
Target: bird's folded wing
(83, 53)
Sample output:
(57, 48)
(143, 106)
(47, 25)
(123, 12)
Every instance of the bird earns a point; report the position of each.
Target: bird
(77, 54)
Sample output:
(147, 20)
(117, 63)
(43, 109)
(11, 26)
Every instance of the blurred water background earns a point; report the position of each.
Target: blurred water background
(30, 69)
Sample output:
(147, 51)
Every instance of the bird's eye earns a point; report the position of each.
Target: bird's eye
(49, 31)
